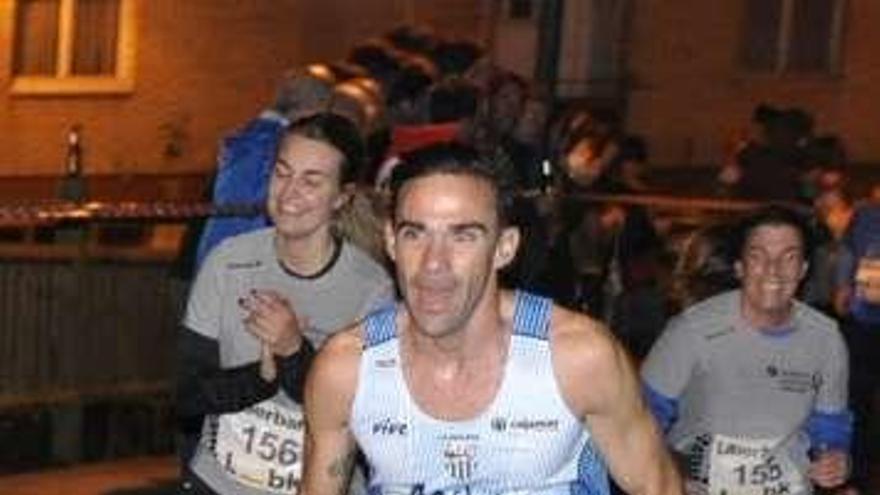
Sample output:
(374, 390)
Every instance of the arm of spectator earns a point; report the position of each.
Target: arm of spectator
(843, 279)
(205, 388)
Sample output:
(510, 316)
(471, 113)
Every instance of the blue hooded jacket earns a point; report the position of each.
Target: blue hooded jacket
(243, 173)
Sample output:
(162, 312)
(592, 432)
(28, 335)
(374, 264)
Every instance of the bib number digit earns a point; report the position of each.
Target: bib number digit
(261, 447)
(744, 466)
(268, 448)
(287, 453)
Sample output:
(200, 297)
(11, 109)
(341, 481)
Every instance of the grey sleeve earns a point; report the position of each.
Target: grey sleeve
(382, 295)
(832, 394)
(203, 309)
(669, 365)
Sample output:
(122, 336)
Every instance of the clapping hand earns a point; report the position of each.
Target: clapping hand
(271, 319)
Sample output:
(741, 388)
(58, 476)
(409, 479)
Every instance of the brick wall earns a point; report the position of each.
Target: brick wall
(690, 95)
(204, 66)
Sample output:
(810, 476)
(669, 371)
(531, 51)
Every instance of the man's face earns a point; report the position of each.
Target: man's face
(531, 123)
(583, 163)
(447, 245)
(304, 190)
(507, 107)
(770, 268)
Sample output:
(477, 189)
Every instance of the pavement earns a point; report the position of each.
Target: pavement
(139, 476)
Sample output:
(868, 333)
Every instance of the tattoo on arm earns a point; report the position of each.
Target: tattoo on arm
(340, 469)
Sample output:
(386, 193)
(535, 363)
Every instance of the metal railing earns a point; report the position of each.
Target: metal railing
(89, 319)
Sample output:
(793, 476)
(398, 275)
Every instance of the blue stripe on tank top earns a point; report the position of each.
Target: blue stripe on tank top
(379, 326)
(531, 316)
(592, 474)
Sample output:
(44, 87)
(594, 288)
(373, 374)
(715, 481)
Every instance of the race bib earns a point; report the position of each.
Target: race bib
(747, 466)
(262, 446)
(868, 280)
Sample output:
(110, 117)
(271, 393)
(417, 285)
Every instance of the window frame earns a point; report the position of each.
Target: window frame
(63, 83)
(785, 41)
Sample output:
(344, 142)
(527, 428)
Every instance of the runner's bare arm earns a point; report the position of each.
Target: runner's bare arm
(600, 384)
(330, 387)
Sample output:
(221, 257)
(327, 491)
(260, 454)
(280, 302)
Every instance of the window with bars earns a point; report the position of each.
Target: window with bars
(792, 36)
(72, 46)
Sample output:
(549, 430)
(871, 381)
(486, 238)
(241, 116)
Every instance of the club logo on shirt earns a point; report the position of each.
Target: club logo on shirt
(390, 427)
(460, 460)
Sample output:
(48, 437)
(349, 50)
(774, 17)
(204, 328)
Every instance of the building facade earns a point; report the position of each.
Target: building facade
(184, 73)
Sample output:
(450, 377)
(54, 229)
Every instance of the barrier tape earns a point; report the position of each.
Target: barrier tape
(48, 212)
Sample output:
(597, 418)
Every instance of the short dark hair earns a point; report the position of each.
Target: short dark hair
(773, 215)
(336, 131)
(452, 100)
(411, 83)
(376, 57)
(455, 57)
(765, 114)
(412, 38)
(451, 158)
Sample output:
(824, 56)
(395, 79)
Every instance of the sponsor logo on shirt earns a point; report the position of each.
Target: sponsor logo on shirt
(274, 417)
(386, 363)
(533, 425)
(420, 489)
(795, 381)
(244, 265)
(460, 436)
(390, 427)
(720, 333)
(731, 448)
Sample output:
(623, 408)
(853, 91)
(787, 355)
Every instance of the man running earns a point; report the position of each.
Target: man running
(464, 388)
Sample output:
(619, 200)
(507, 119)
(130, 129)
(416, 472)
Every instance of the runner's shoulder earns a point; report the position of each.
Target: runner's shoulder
(339, 358)
(582, 343)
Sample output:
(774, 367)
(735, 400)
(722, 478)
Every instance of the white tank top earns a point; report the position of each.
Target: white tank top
(526, 442)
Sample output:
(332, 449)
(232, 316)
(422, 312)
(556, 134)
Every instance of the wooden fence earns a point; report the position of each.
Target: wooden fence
(82, 328)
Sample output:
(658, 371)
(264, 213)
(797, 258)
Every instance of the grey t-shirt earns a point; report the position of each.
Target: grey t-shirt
(744, 396)
(353, 286)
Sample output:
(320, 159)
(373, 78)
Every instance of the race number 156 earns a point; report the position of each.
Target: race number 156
(269, 447)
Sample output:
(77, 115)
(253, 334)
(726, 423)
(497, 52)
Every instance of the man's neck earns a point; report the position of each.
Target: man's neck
(458, 376)
(305, 255)
(766, 320)
(487, 330)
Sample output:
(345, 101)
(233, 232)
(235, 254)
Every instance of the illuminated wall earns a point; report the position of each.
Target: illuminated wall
(690, 93)
(202, 68)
